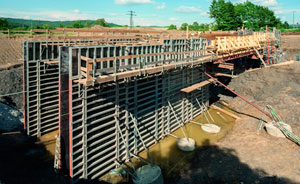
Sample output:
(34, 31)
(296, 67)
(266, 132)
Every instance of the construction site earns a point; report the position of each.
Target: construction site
(142, 105)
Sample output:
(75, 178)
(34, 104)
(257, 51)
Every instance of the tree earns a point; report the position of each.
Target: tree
(46, 26)
(88, 24)
(224, 14)
(184, 26)
(61, 26)
(101, 22)
(3, 24)
(77, 24)
(286, 25)
(194, 27)
(172, 27)
(256, 17)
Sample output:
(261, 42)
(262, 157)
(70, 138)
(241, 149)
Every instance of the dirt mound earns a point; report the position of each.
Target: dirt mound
(275, 86)
(10, 52)
(11, 81)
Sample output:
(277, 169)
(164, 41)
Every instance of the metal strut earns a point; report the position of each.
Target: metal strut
(137, 130)
(178, 121)
(243, 98)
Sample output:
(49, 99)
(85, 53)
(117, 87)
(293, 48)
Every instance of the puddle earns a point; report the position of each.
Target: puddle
(171, 159)
(48, 142)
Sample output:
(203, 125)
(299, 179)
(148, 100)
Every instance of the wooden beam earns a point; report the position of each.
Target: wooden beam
(51, 62)
(141, 55)
(261, 59)
(224, 75)
(196, 86)
(225, 112)
(89, 60)
(228, 66)
(152, 70)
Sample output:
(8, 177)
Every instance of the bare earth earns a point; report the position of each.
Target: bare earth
(290, 45)
(280, 88)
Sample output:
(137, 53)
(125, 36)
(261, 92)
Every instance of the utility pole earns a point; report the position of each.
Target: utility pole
(131, 14)
(294, 19)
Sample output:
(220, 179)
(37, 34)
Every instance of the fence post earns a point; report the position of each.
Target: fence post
(8, 33)
(46, 34)
(64, 34)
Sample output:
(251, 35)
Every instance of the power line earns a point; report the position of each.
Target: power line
(131, 14)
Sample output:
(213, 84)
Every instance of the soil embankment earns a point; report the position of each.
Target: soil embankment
(276, 158)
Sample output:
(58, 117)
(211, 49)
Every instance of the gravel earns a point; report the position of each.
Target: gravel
(11, 117)
(11, 81)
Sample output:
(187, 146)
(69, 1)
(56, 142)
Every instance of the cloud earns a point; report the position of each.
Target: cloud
(277, 10)
(51, 15)
(113, 14)
(262, 2)
(188, 9)
(76, 11)
(268, 2)
(161, 7)
(173, 19)
(127, 2)
(204, 13)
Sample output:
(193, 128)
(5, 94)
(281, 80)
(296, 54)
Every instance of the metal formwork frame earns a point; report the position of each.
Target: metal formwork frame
(108, 60)
(89, 116)
(40, 87)
(40, 84)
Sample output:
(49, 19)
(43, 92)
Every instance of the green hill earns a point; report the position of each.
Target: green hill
(26, 23)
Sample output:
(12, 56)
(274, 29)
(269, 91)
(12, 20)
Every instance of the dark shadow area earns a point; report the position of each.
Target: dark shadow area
(23, 161)
(216, 90)
(244, 64)
(211, 164)
(240, 66)
(241, 113)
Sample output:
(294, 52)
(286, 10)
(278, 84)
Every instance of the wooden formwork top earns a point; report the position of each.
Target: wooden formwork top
(145, 71)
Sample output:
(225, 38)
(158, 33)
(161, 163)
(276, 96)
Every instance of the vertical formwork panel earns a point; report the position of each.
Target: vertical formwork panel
(25, 68)
(40, 89)
(64, 108)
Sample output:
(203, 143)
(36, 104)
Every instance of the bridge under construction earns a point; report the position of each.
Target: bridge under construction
(111, 97)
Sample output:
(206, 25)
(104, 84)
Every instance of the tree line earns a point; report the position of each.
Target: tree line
(22, 24)
(229, 16)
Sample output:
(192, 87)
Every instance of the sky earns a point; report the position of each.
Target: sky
(148, 12)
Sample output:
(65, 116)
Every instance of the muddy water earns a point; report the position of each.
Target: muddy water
(171, 159)
(49, 142)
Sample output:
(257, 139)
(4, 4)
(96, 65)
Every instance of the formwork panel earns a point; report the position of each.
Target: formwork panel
(40, 87)
(41, 84)
(100, 116)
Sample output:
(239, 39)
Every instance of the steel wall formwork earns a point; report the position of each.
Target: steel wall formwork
(94, 120)
(40, 83)
(40, 87)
